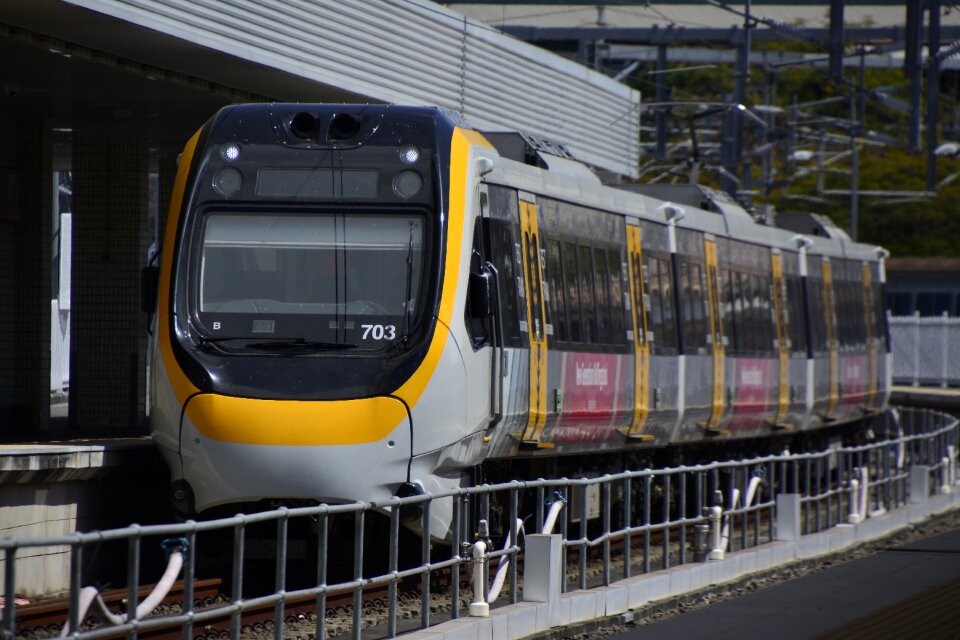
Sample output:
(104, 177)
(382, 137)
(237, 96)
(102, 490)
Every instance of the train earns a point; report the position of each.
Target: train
(355, 302)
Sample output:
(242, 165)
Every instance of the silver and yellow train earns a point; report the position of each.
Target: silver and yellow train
(361, 301)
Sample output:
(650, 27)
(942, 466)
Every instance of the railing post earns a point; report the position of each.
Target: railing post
(944, 354)
(542, 572)
(919, 483)
(916, 348)
(9, 588)
(789, 524)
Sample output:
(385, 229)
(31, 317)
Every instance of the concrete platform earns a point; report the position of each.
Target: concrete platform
(906, 592)
(942, 398)
(872, 587)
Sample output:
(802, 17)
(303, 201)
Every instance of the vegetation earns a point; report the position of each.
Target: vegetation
(908, 224)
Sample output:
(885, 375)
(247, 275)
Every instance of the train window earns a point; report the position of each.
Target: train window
(602, 280)
(693, 316)
(879, 315)
(571, 277)
(743, 307)
(742, 310)
(727, 302)
(686, 313)
(503, 257)
(764, 314)
(795, 314)
(818, 315)
(699, 299)
(558, 308)
(616, 297)
(846, 319)
(654, 294)
(477, 326)
(588, 307)
(669, 341)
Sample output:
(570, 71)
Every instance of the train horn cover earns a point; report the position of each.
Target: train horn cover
(304, 125)
(343, 126)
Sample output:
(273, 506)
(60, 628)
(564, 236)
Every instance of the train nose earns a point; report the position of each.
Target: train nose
(246, 450)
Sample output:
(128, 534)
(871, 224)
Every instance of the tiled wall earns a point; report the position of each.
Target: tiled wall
(107, 367)
(25, 255)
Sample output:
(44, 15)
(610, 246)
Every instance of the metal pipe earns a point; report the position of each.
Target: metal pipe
(479, 607)
(665, 564)
(281, 575)
(393, 566)
(358, 574)
(322, 536)
(606, 534)
(716, 515)
(425, 561)
(454, 554)
(239, 532)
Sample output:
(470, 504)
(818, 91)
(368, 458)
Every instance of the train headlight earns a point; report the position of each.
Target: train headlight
(407, 184)
(230, 152)
(227, 181)
(409, 154)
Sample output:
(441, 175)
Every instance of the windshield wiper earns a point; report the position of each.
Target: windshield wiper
(284, 344)
(401, 342)
(267, 343)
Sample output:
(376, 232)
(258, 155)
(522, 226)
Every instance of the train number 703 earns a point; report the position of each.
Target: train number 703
(379, 331)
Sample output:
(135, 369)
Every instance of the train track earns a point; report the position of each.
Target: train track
(46, 619)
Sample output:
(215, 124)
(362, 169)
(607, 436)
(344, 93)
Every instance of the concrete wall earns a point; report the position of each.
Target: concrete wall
(54, 490)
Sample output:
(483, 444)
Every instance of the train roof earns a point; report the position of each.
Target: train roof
(532, 165)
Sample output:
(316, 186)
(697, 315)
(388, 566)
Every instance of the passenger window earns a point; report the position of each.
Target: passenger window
(669, 306)
(655, 312)
(587, 295)
(558, 314)
(478, 327)
(503, 258)
(698, 306)
(727, 302)
(603, 297)
(616, 298)
(571, 277)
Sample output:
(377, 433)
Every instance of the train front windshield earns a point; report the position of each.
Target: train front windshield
(349, 279)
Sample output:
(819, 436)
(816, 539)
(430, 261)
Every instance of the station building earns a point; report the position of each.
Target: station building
(97, 98)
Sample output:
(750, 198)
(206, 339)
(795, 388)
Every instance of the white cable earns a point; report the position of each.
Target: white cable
(725, 532)
(501, 577)
(87, 596)
(90, 595)
(552, 516)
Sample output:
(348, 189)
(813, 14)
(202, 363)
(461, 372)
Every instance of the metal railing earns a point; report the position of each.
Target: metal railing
(613, 527)
(926, 351)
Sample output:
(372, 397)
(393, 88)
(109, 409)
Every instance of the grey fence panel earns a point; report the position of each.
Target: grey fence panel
(611, 527)
(926, 350)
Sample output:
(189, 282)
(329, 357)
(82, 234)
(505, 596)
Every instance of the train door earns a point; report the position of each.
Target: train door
(829, 302)
(715, 332)
(536, 326)
(783, 346)
(641, 345)
(484, 362)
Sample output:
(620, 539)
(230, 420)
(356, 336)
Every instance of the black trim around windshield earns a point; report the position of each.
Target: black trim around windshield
(351, 326)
